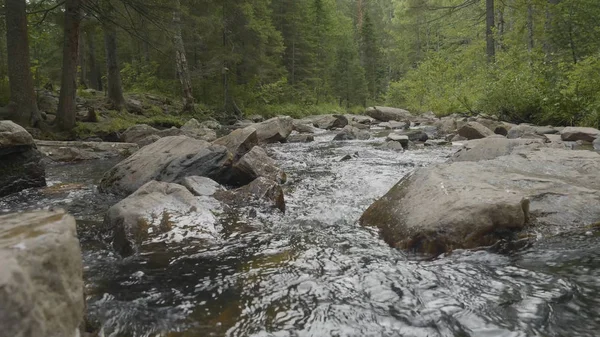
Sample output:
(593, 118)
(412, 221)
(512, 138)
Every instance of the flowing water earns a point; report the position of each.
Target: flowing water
(315, 272)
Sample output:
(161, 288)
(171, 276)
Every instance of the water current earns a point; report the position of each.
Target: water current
(314, 271)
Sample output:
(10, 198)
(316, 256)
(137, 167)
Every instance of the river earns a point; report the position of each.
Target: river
(314, 271)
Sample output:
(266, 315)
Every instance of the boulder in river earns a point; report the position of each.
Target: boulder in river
(525, 131)
(472, 204)
(303, 126)
(195, 129)
(386, 114)
(261, 190)
(474, 130)
(416, 135)
(403, 140)
(301, 138)
(201, 186)
(574, 134)
(351, 133)
(139, 134)
(21, 164)
(158, 211)
(239, 142)
(393, 125)
(274, 130)
(330, 122)
(169, 159)
(490, 148)
(254, 164)
(41, 278)
(597, 144)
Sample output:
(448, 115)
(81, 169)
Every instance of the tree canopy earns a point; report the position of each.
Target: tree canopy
(522, 60)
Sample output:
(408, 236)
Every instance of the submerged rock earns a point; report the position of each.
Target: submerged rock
(254, 164)
(21, 164)
(260, 190)
(170, 159)
(351, 133)
(41, 278)
(471, 204)
(158, 211)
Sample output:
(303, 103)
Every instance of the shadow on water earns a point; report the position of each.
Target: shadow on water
(315, 272)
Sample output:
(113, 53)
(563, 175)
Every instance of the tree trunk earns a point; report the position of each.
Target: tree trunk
(82, 62)
(115, 88)
(94, 76)
(183, 72)
(19, 70)
(530, 32)
(68, 88)
(489, 31)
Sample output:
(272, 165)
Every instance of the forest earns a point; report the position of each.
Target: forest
(532, 61)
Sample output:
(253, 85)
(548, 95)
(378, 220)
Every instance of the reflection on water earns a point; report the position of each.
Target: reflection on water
(315, 272)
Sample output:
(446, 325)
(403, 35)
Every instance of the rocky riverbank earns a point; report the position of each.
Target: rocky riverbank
(505, 182)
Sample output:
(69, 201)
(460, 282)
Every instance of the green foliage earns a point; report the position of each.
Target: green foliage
(141, 77)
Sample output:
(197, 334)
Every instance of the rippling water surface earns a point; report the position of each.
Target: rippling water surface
(315, 272)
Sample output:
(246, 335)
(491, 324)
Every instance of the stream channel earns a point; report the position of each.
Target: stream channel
(314, 271)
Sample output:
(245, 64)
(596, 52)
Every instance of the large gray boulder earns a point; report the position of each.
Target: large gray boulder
(21, 164)
(303, 126)
(471, 204)
(80, 151)
(158, 212)
(239, 142)
(490, 148)
(446, 125)
(351, 133)
(139, 134)
(260, 191)
(330, 122)
(474, 130)
(169, 159)
(525, 131)
(597, 144)
(41, 278)
(575, 133)
(201, 186)
(254, 164)
(197, 130)
(274, 130)
(386, 114)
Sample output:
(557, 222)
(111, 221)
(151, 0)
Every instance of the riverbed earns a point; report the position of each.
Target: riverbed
(314, 271)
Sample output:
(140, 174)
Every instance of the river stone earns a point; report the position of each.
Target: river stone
(254, 164)
(360, 119)
(239, 142)
(303, 126)
(261, 190)
(137, 133)
(169, 159)
(201, 186)
(330, 122)
(574, 134)
(386, 114)
(471, 204)
(393, 145)
(597, 144)
(274, 130)
(446, 125)
(416, 135)
(490, 148)
(402, 139)
(351, 133)
(393, 125)
(195, 129)
(80, 151)
(158, 211)
(41, 278)
(21, 165)
(525, 131)
(474, 130)
(301, 138)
